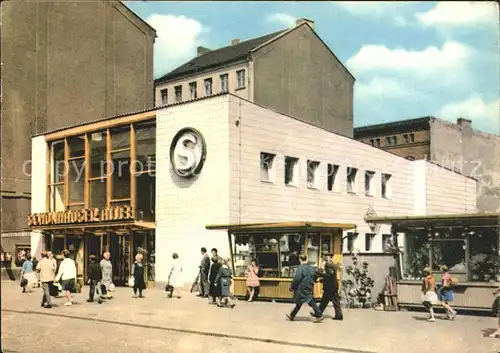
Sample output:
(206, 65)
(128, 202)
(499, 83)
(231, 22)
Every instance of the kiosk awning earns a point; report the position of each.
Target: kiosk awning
(280, 225)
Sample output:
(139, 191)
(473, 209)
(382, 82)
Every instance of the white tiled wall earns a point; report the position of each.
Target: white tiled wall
(185, 206)
(38, 187)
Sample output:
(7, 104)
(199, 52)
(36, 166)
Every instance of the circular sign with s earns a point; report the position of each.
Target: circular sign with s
(188, 152)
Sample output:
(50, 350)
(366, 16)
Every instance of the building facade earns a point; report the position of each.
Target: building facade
(63, 63)
(218, 165)
(454, 146)
(291, 71)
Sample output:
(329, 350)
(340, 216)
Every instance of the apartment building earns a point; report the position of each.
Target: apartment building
(291, 71)
(456, 146)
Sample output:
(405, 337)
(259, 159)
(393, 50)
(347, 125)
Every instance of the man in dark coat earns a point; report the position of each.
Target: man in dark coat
(330, 287)
(94, 278)
(204, 270)
(215, 292)
(302, 285)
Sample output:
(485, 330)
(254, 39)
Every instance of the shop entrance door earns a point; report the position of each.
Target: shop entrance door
(119, 248)
(144, 243)
(93, 247)
(75, 246)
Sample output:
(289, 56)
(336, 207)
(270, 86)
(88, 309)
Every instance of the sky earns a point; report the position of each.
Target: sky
(410, 59)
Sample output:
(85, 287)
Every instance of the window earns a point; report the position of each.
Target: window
(145, 197)
(449, 252)
(369, 183)
(369, 241)
(76, 175)
(193, 91)
(483, 254)
(412, 137)
(178, 93)
(351, 238)
(377, 142)
(145, 141)
(351, 179)
(372, 142)
(240, 78)
(98, 154)
(291, 245)
(267, 170)
(76, 146)
(388, 140)
(406, 138)
(332, 176)
(224, 83)
(386, 242)
(164, 96)
(386, 185)
(291, 171)
(57, 149)
(312, 171)
(313, 247)
(208, 87)
(394, 140)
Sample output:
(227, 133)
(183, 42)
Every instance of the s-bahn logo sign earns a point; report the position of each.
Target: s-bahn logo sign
(188, 152)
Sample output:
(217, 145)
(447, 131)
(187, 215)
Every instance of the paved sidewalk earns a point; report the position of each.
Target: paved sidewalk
(257, 323)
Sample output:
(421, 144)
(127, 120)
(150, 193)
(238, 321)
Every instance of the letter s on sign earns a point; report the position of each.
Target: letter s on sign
(188, 152)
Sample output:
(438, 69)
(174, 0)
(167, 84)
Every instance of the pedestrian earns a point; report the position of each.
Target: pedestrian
(174, 278)
(138, 274)
(223, 280)
(302, 286)
(253, 282)
(28, 274)
(95, 276)
(35, 264)
(214, 252)
(330, 287)
(204, 270)
(214, 292)
(67, 275)
(107, 275)
(429, 293)
(446, 294)
(47, 270)
(496, 312)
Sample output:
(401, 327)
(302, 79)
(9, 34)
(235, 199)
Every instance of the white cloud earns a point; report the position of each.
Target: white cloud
(178, 37)
(283, 19)
(473, 108)
(377, 8)
(454, 14)
(451, 55)
(380, 88)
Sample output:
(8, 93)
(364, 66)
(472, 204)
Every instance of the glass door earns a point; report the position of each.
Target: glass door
(75, 245)
(119, 248)
(93, 247)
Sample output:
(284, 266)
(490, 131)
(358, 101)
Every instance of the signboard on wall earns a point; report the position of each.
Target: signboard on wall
(188, 152)
(84, 215)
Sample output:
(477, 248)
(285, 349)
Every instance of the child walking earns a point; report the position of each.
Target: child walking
(429, 291)
(138, 274)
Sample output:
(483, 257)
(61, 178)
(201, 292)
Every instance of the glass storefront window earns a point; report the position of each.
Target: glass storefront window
(145, 197)
(97, 193)
(313, 245)
(56, 197)
(145, 136)
(291, 246)
(483, 255)
(76, 146)
(98, 154)
(243, 253)
(120, 138)
(450, 253)
(121, 175)
(267, 255)
(57, 150)
(76, 181)
(416, 256)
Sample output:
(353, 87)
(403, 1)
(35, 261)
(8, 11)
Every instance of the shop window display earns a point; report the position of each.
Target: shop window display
(291, 245)
(483, 255)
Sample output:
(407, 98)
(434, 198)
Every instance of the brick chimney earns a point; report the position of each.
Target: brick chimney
(235, 41)
(304, 20)
(202, 50)
(464, 124)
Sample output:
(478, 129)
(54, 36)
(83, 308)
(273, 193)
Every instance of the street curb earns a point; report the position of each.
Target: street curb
(194, 332)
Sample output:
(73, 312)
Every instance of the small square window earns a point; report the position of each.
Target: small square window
(386, 185)
(193, 90)
(291, 171)
(178, 93)
(164, 96)
(351, 180)
(312, 174)
(208, 86)
(240, 79)
(267, 167)
(332, 177)
(369, 183)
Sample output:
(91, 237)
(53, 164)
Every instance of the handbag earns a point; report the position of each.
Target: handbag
(131, 281)
(111, 287)
(496, 306)
(24, 282)
(53, 290)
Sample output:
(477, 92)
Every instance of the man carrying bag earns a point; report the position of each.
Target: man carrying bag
(47, 270)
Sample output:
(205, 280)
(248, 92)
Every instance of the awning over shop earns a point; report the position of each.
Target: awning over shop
(95, 227)
(281, 226)
(442, 220)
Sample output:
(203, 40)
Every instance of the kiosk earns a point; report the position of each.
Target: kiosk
(276, 247)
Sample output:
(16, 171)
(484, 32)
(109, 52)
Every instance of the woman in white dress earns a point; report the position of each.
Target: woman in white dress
(174, 278)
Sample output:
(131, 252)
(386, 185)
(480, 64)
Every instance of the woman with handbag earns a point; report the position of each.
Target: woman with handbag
(28, 277)
(429, 293)
(224, 279)
(138, 274)
(174, 278)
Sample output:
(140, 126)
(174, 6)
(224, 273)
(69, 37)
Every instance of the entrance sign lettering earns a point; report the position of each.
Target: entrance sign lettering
(91, 215)
(188, 152)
